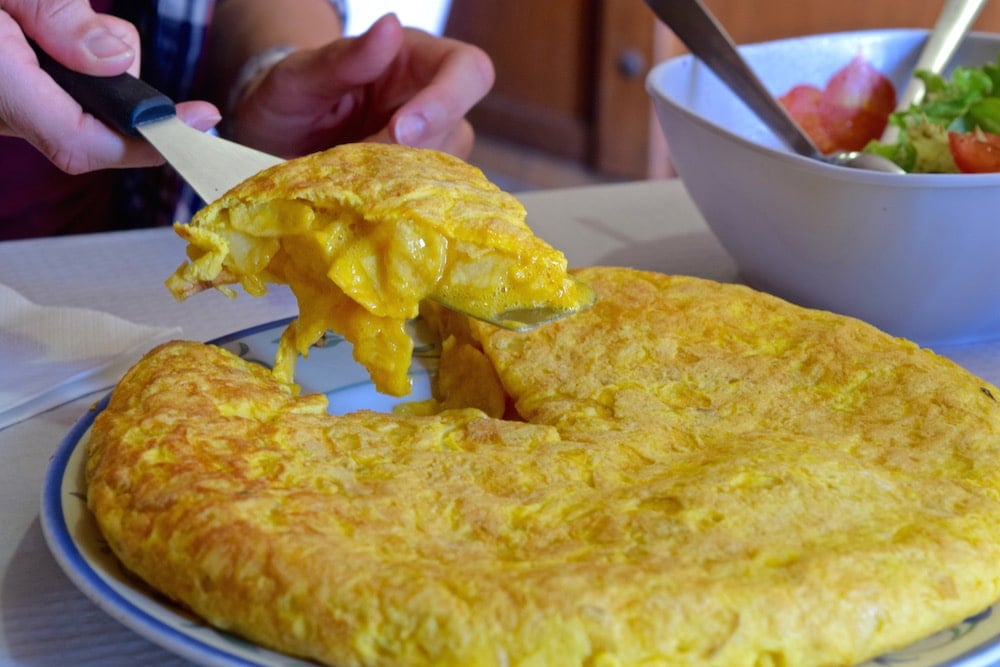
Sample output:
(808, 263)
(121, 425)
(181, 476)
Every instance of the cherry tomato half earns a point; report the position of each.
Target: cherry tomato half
(802, 104)
(856, 104)
(976, 152)
(851, 110)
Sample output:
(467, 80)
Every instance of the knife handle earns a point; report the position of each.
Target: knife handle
(121, 101)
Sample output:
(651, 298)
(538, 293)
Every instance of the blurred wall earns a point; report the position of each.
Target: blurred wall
(429, 15)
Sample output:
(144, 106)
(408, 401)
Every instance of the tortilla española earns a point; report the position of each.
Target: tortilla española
(700, 474)
(362, 233)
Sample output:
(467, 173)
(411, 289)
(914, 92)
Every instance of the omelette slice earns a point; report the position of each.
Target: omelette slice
(700, 474)
(362, 233)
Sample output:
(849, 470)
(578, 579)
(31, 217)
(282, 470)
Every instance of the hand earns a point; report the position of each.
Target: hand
(391, 84)
(34, 107)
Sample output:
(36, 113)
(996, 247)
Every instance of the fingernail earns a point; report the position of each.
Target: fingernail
(410, 129)
(204, 123)
(104, 45)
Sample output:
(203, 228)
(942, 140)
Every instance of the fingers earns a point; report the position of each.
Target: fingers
(72, 33)
(459, 76)
(457, 139)
(390, 84)
(90, 145)
(429, 85)
(200, 115)
(34, 107)
(321, 97)
(347, 63)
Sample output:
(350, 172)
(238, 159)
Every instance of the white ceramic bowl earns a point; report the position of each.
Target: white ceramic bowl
(918, 255)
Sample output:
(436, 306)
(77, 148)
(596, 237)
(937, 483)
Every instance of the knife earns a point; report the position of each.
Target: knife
(211, 165)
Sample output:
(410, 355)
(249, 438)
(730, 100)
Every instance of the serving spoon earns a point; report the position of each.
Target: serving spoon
(709, 42)
(953, 24)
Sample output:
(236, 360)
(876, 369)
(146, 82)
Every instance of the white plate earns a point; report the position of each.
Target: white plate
(81, 551)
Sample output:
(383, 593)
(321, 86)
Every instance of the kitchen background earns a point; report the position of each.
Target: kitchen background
(569, 106)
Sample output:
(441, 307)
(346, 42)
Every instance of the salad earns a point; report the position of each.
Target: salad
(955, 129)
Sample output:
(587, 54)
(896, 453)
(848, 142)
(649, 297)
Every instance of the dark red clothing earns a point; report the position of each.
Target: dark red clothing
(37, 199)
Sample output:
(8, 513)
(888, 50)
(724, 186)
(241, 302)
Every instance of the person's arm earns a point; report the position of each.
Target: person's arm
(243, 31)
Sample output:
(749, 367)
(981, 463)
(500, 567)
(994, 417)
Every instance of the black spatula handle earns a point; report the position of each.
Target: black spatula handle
(121, 101)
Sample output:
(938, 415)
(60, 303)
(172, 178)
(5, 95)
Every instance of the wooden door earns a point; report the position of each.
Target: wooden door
(570, 76)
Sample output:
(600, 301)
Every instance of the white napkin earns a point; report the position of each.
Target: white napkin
(52, 355)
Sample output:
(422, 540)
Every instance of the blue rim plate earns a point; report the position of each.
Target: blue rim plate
(78, 547)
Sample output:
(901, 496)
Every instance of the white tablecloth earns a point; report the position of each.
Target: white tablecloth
(44, 620)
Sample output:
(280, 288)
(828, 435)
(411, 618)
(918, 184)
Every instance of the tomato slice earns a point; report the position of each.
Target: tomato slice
(802, 104)
(977, 152)
(856, 104)
(851, 110)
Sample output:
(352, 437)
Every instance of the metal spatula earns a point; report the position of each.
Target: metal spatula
(211, 165)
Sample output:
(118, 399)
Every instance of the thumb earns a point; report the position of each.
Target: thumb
(79, 38)
(352, 61)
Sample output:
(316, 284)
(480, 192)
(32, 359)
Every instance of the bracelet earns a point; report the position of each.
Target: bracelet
(254, 68)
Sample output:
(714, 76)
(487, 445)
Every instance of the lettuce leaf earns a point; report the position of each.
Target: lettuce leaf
(967, 100)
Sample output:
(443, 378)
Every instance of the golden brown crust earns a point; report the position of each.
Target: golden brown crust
(362, 233)
(737, 481)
